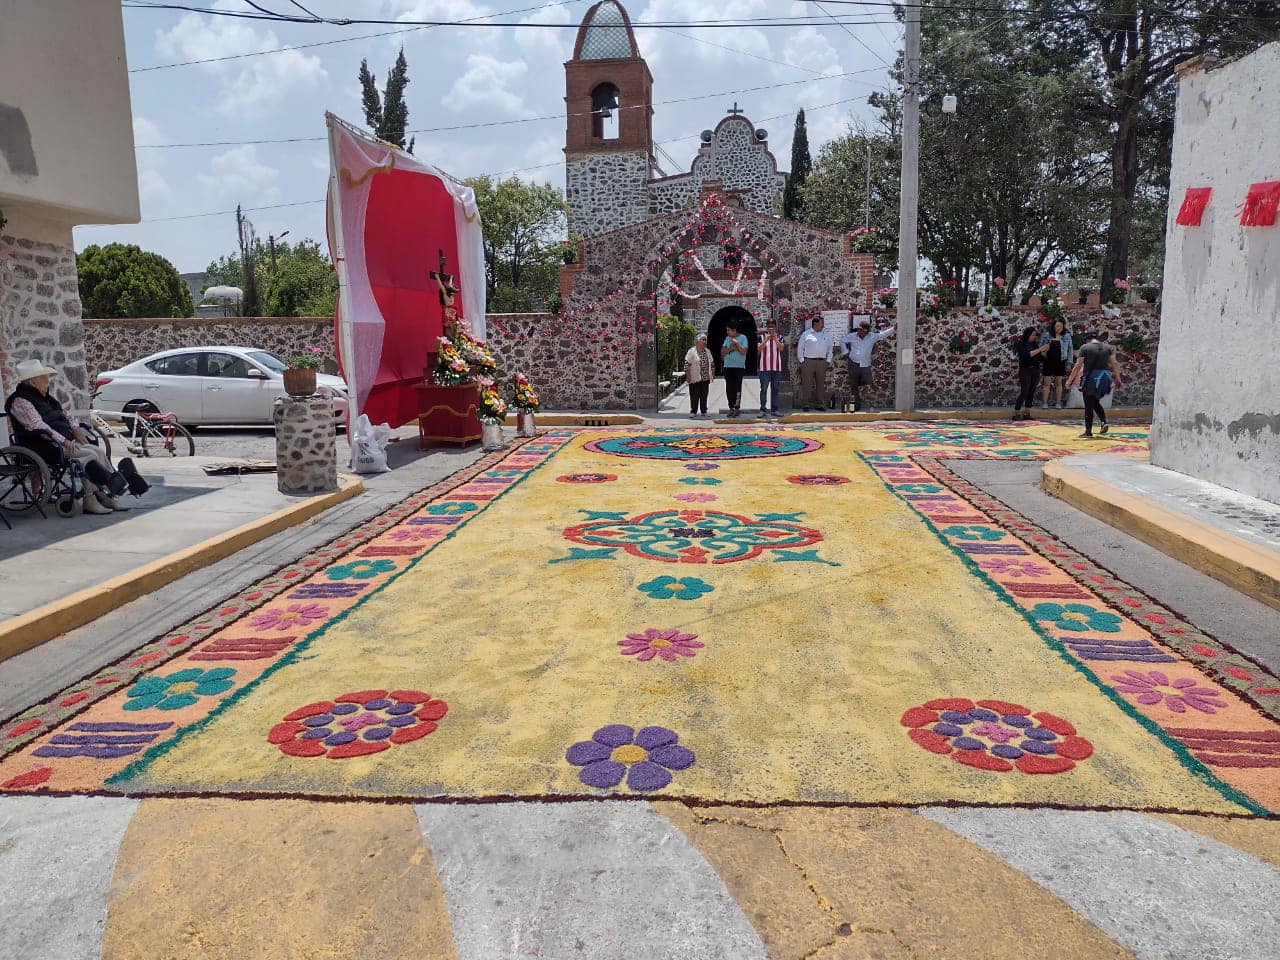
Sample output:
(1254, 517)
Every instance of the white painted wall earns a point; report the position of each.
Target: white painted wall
(1217, 404)
(66, 126)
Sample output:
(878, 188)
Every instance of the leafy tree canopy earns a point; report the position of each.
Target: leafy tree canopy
(303, 284)
(123, 280)
(524, 227)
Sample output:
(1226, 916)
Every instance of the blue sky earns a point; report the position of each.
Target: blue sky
(457, 76)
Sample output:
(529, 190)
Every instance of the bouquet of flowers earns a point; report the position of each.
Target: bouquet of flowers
(452, 369)
(887, 296)
(1050, 301)
(1119, 292)
(526, 398)
(938, 299)
(492, 407)
(962, 341)
(479, 358)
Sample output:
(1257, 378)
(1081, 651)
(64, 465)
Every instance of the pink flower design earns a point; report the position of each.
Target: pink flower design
(664, 644)
(696, 497)
(997, 732)
(1178, 694)
(295, 616)
(1014, 568)
(408, 533)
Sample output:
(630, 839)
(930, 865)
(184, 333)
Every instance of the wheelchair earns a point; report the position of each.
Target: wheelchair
(29, 482)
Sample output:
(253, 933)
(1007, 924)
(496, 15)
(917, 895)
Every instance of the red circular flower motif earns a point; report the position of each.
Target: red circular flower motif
(817, 479)
(996, 735)
(356, 724)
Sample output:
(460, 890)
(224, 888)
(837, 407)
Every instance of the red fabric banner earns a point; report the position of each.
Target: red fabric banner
(1260, 206)
(1193, 204)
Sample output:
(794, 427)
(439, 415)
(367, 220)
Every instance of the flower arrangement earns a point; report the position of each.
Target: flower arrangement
(526, 398)
(492, 408)
(962, 341)
(1050, 301)
(888, 296)
(479, 358)
(938, 299)
(452, 369)
(311, 358)
(1119, 292)
(999, 296)
(1134, 342)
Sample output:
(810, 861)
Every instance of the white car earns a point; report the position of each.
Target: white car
(208, 385)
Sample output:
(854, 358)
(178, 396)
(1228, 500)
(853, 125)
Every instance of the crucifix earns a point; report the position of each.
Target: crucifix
(447, 290)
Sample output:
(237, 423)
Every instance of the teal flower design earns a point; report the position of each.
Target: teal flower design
(918, 488)
(178, 690)
(973, 533)
(884, 458)
(360, 569)
(675, 588)
(700, 481)
(451, 508)
(1076, 617)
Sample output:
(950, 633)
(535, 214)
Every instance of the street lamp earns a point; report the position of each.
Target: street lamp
(271, 242)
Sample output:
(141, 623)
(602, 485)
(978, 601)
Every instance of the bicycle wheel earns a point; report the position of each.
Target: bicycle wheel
(167, 439)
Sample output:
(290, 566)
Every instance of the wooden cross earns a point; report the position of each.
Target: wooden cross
(734, 110)
(447, 290)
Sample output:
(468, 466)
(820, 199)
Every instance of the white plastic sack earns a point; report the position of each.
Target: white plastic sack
(1075, 399)
(369, 446)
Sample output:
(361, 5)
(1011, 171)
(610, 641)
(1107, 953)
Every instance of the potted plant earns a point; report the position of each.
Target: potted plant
(1149, 294)
(300, 375)
(491, 410)
(1050, 301)
(1119, 293)
(999, 295)
(888, 296)
(526, 403)
(1083, 294)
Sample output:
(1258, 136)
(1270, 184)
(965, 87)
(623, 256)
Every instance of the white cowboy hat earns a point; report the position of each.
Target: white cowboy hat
(30, 369)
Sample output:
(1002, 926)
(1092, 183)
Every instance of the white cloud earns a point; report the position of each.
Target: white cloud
(485, 86)
(146, 132)
(238, 176)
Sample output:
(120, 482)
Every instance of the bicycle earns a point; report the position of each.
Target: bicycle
(148, 429)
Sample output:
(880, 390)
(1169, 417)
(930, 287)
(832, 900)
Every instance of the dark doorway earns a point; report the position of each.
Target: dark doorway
(746, 324)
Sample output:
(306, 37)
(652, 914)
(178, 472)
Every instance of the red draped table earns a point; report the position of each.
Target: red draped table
(447, 414)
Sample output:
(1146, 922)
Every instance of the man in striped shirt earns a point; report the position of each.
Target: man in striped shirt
(770, 354)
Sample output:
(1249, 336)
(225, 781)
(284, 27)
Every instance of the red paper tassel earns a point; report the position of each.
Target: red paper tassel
(1193, 205)
(1259, 207)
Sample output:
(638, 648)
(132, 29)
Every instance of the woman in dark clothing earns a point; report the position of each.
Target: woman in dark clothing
(1028, 372)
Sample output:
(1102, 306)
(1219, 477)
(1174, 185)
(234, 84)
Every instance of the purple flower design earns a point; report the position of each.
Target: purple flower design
(410, 533)
(295, 616)
(1178, 694)
(696, 497)
(645, 757)
(702, 465)
(1010, 567)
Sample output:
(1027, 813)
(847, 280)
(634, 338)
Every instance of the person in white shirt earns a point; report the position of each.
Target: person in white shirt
(858, 345)
(814, 353)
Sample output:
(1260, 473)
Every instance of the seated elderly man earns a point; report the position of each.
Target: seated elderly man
(39, 422)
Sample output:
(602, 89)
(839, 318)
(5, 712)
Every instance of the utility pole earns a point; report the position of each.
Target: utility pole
(908, 208)
(866, 207)
(271, 242)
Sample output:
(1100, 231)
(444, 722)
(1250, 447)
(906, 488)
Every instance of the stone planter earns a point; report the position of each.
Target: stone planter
(491, 435)
(299, 382)
(525, 426)
(306, 460)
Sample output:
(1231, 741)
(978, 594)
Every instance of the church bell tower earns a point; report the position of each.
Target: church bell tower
(609, 131)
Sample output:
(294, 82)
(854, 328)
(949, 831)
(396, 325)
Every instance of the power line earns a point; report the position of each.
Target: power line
(501, 175)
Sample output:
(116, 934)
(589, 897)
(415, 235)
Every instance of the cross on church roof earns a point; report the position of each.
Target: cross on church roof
(735, 110)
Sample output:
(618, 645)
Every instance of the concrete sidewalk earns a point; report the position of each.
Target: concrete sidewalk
(1227, 535)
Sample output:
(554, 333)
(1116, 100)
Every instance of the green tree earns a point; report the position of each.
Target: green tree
(303, 284)
(835, 192)
(387, 114)
(801, 164)
(524, 224)
(119, 280)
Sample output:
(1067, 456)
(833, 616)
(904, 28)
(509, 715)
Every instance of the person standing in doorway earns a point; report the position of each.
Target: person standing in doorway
(734, 353)
(814, 353)
(1058, 359)
(1028, 372)
(1097, 373)
(770, 353)
(698, 370)
(858, 345)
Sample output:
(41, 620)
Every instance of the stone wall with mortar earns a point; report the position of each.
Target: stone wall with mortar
(40, 314)
(605, 191)
(1217, 413)
(306, 453)
(737, 159)
(568, 372)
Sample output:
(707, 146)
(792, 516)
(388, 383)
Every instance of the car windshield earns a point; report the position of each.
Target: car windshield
(268, 360)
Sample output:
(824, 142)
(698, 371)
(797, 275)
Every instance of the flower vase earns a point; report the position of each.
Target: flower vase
(524, 424)
(491, 435)
(299, 382)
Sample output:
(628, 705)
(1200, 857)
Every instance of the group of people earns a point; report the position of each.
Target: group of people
(40, 424)
(1093, 368)
(814, 353)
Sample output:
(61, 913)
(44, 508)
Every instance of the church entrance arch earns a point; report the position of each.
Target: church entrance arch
(745, 324)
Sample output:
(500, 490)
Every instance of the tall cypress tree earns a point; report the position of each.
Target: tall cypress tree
(801, 164)
(387, 115)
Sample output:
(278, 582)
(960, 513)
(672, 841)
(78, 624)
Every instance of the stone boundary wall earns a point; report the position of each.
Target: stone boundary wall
(569, 377)
(40, 315)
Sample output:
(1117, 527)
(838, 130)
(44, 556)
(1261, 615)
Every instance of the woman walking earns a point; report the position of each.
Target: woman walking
(698, 367)
(1057, 360)
(1028, 373)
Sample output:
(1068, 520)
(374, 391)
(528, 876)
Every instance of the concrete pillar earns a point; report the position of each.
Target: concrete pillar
(306, 457)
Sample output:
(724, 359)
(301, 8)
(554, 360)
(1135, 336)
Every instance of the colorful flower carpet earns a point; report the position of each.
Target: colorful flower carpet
(780, 615)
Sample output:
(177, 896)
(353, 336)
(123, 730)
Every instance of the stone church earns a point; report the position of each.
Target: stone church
(707, 243)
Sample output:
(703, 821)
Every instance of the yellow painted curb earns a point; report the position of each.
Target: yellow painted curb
(1116, 413)
(1249, 568)
(33, 628)
(581, 419)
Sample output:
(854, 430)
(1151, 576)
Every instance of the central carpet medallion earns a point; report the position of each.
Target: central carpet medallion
(694, 536)
(704, 446)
